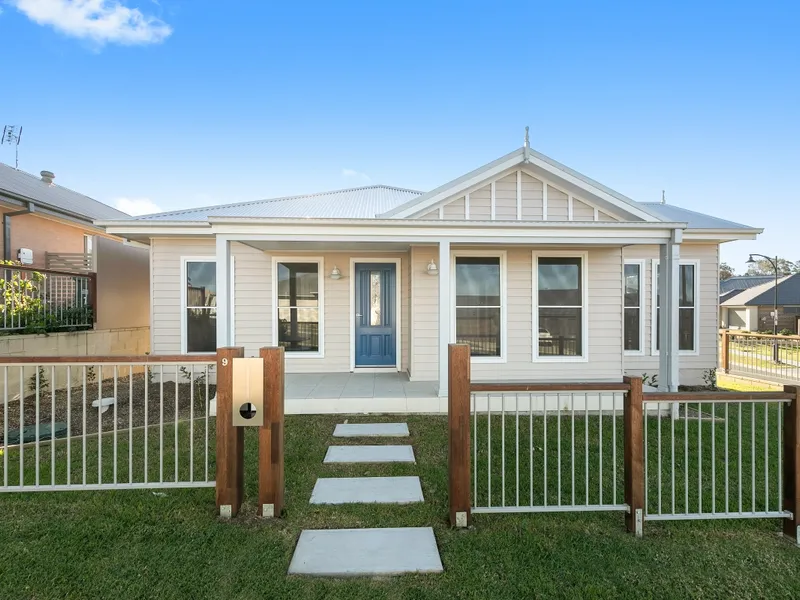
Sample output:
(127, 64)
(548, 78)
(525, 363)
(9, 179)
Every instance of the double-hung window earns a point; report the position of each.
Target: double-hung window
(687, 307)
(560, 295)
(633, 331)
(479, 304)
(200, 305)
(298, 303)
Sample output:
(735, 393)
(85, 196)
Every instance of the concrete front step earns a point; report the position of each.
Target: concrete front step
(366, 552)
(371, 430)
(369, 454)
(367, 490)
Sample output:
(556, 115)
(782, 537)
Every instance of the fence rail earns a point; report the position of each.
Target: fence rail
(47, 300)
(71, 423)
(761, 356)
(69, 261)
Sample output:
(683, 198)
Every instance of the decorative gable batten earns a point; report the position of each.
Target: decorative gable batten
(466, 207)
(519, 193)
(492, 200)
(569, 207)
(544, 201)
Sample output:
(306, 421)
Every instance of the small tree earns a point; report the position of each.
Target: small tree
(22, 300)
(725, 271)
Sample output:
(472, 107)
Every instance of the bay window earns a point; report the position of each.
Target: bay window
(560, 296)
(479, 304)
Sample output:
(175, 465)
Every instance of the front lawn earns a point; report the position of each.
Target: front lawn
(169, 544)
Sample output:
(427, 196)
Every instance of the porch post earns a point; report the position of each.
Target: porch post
(668, 283)
(224, 309)
(444, 313)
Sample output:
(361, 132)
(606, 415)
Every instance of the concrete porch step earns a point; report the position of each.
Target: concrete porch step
(366, 552)
(369, 454)
(371, 430)
(367, 490)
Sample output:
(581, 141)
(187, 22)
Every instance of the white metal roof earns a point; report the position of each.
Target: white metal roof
(32, 188)
(696, 220)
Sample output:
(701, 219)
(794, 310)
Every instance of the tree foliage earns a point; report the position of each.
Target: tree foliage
(763, 267)
(725, 271)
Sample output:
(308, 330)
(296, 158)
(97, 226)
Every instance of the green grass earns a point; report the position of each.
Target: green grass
(137, 544)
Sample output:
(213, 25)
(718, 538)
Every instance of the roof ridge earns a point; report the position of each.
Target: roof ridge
(278, 199)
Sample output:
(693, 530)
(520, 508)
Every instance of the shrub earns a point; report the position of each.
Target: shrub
(651, 380)
(710, 379)
(785, 332)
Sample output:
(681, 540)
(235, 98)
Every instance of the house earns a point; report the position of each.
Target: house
(546, 273)
(50, 227)
(747, 303)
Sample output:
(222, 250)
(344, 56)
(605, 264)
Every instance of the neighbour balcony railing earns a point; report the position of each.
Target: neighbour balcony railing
(69, 261)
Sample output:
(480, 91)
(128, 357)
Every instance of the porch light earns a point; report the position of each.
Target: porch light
(336, 273)
(432, 268)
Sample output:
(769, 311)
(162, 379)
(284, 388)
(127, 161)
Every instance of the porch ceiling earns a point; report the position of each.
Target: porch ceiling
(269, 246)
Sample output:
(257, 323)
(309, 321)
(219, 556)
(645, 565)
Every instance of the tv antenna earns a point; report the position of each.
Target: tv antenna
(12, 137)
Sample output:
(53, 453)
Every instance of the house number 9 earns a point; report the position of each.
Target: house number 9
(224, 362)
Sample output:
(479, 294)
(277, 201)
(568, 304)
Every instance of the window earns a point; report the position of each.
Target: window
(560, 301)
(298, 306)
(87, 243)
(479, 305)
(201, 306)
(633, 307)
(687, 302)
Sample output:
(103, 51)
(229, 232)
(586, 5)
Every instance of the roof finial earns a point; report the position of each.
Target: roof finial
(527, 146)
(663, 197)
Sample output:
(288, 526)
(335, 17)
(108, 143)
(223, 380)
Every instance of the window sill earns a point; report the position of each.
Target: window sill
(560, 359)
(488, 360)
(289, 355)
(633, 353)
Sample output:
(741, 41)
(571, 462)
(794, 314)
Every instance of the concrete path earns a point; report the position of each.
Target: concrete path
(371, 430)
(353, 552)
(369, 454)
(367, 490)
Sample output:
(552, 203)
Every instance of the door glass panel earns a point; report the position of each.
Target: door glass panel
(375, 298)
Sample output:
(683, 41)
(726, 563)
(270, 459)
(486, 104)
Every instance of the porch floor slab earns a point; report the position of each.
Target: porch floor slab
(367, 490)
(366, 552)
(369, 454)
(371, 430)
(301, 386)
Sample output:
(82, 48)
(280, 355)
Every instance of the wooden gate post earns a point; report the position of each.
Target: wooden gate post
(458, 458)
(791, 464)
(726, 351)
(634, 456)
(270, 436)
(230, 439)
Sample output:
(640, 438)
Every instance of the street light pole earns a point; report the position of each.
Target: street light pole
(774, 264)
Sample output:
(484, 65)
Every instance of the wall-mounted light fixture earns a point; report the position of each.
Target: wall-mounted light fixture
(336, 273)
(432, 268)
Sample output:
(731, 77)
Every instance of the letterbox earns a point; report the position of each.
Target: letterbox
(248, 392)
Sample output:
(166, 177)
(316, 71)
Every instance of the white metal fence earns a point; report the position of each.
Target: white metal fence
(132, 422)
(547, 451)
(774, 358)
(718, 460)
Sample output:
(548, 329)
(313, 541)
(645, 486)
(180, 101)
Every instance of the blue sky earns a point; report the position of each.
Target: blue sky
(182, 103)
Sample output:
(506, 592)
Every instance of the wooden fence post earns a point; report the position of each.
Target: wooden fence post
(791, 464)
(270, 436)
(634, 456)
(458, 411)
(726, 351)
(230, 439)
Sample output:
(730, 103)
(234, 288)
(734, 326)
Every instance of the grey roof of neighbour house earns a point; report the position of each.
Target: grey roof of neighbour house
(353, 203)
(696, 220)
(763, 295)
(30, 187)
(743, 282)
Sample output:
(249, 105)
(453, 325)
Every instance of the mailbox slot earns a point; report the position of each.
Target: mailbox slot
(248, 392)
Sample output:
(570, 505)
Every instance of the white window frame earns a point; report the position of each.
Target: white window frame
(320, 303)
(654, 308)
(584, 256)
(501, 254)
(231, 295)
(642, 264)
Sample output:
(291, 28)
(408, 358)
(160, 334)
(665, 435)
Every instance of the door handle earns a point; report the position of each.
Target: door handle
(359, 315)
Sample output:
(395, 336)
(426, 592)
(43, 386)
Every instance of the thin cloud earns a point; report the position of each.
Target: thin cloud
(356, 176)
(100, 21)
(136, 206)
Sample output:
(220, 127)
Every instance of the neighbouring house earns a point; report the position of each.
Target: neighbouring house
(547, 274)
(51, 228)
(748, 303)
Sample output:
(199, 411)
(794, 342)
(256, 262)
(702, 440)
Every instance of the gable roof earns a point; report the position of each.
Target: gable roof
(21, 186)
(743, 282)
(764, 294)
(695, 220)
(353, 203)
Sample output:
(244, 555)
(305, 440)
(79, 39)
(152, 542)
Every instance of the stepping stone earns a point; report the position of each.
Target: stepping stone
(369, 454)
(371, 430)
(353, 552)
(367, 490)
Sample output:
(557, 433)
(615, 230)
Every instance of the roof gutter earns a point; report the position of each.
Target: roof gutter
(48, 208)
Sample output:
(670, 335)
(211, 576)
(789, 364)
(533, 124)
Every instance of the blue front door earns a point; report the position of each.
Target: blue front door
(375, 315)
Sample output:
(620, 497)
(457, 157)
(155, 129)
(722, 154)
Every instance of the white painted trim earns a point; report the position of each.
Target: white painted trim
(519, 195)
(584, 256)
(492, 200)
(153, 303)
(444, 311)
(544, 201)
(398, 331)
(441, 213)
(320, 302)
(231, 299)
(642, 264)
(488, 253)
(653, 307)
(466, 207)
(596, 214)
(569, 207)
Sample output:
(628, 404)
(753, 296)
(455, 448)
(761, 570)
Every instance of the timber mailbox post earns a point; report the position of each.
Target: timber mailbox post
(249, 394)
